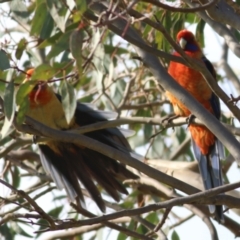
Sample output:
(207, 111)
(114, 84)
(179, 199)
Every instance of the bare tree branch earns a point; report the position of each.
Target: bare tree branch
(206, 220)
(38, 209)
(203, 197)
(185, 10)
(81, 230)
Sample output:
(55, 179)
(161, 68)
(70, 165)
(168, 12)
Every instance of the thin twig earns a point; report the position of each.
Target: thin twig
(159, 226)
(183, 10)
(38, 209)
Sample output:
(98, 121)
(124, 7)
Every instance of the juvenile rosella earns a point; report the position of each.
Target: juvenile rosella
(207, 148)
(68, 163)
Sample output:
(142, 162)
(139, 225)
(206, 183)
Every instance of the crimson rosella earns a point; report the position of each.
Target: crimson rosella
(69, 163)
(207, 148)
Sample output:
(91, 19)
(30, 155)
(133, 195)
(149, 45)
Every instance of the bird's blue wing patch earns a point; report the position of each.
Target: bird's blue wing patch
(215, 103)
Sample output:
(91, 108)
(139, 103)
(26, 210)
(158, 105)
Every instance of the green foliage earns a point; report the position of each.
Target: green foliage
(175, 236)
(9, 106)
(199, 32)
(20, 48)
(4, 63)
(68, 100)
(43, 72)
(131, 226)
(75, 44)
(22, 100)
(8, 100)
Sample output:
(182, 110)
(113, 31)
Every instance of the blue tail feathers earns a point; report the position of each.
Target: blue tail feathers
(210, 170)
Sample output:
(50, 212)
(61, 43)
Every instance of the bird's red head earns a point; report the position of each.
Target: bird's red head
(187, 41)
(40, 93)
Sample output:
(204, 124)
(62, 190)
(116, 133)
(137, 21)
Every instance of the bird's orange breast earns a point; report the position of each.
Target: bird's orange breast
(193, 82)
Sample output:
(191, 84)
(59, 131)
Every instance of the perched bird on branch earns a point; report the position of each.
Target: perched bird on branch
(69, 163)
(207, 148)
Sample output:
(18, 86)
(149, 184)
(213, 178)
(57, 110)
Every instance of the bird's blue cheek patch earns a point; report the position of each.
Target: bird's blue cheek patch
(191, 47)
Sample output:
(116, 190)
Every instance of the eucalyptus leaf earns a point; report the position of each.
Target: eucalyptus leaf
(20, 48)
(53, 9)
(69, 100)
(75, 44)
(81, 5)
(4, 63)
(9, 101)
(22, 110)
(175, 236)
(43, 72)
(9, 105)
(39, 19)
(60, 45)
(19, 10)
(6, 128)
(23, 91)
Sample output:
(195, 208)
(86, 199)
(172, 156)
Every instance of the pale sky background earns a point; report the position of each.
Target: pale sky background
(193, 229)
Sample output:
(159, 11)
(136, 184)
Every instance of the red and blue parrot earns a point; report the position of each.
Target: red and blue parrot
(207, 148)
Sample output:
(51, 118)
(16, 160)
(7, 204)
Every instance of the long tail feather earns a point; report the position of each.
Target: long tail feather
(68, 163)
(210, 170)
(84, 175)
(59, 170)
(112, 168)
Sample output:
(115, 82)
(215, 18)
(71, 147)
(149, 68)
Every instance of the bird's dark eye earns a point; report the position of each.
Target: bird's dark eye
(36, 87)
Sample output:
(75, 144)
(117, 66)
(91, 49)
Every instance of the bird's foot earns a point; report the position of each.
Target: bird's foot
(35, 139)
(190, 119)
(169, 118)
(233, 99)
